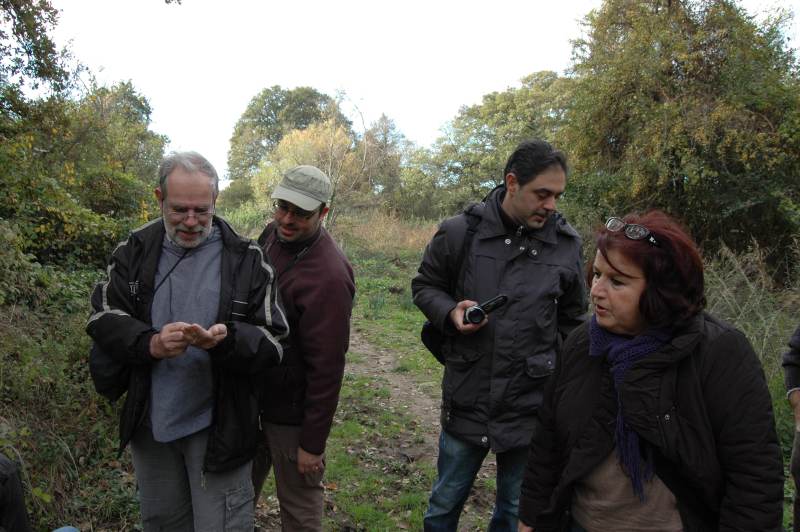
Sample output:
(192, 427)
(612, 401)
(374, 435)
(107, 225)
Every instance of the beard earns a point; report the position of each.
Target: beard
(185, 237)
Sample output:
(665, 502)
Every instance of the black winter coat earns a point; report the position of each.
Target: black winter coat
(700, 403)
(493, 379)
(791, 362)
(248, 305)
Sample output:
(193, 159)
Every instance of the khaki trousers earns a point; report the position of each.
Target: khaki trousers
(301, 497)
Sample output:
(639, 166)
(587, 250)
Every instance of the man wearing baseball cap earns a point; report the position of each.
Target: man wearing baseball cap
(316, 286)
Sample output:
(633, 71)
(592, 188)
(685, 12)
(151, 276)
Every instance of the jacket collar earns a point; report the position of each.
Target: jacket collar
(686, 337)
(493, 225)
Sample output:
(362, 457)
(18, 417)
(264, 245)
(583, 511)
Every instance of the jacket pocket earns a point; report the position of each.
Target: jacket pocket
(689, 446)
(524, 392)
(239, 509)
(457, 355)
(466, 378)
(541, 365)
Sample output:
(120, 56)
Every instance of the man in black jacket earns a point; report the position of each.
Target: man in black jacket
(190, 308)
(791, 370)
(495, 369)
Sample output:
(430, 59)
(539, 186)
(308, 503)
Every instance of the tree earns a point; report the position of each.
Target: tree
(381, 150)
(472, 154)
(269, 116)
(330, 147)
(111, 152)
(79, 173)
(691, 107)
(28, 57)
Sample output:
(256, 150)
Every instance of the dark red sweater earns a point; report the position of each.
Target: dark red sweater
(317, 290)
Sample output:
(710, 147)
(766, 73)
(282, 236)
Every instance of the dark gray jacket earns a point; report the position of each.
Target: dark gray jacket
(791, 362)
(493, 379)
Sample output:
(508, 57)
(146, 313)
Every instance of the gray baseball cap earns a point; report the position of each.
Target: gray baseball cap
(305, 186)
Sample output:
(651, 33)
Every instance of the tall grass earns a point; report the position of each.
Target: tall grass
(741, 291)
(376, 232)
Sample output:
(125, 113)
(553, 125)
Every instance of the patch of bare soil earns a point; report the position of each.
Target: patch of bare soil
(420, 402)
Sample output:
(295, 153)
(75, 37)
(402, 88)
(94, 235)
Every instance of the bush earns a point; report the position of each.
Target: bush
(248, 219)
(19, 273)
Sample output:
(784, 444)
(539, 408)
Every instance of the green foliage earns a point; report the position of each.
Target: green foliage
(28, 57)
(249, 218)
(690, 107)
(236, 194)
(115, 173)
(52, 421)
(18, 272)
(78, 174)
(381, 151)
(269, 116)
(470, 158)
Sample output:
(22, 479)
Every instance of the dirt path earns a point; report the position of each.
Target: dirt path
(420, 402)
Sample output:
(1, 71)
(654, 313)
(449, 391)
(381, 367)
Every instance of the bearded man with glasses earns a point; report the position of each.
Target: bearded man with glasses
(190, 313)
(301, 395)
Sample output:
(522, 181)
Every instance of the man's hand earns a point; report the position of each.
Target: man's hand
(457, 317)
(522, 527)
(309, 463)
(170, 341)
(205, 339)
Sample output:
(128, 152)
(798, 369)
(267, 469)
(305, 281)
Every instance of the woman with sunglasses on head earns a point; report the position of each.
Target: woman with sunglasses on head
(658, 416)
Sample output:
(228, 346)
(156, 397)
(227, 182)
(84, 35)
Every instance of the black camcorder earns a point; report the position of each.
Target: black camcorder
(477, 313)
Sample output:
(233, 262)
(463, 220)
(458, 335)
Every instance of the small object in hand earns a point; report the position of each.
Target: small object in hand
(477, 313)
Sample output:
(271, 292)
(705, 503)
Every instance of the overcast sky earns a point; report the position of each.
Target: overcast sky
(200, 63)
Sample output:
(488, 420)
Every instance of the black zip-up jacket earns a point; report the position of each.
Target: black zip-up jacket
(791, 362)
(700, 403)
(248, 305)
(494, 379)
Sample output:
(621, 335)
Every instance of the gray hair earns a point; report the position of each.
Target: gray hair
(190, 161)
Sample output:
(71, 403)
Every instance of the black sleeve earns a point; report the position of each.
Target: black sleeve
(432, 284)
(791, 362)
(112, 324)
(740, 411)
(255, 343)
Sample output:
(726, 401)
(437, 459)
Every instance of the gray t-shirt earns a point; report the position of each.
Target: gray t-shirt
(182, 387)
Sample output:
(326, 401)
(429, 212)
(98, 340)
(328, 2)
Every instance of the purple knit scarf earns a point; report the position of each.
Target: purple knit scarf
(622, 352)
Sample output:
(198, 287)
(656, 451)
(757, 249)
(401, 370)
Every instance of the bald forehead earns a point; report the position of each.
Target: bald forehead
(181, 180)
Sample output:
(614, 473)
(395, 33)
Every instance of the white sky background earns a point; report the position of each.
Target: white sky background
(200, 63)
